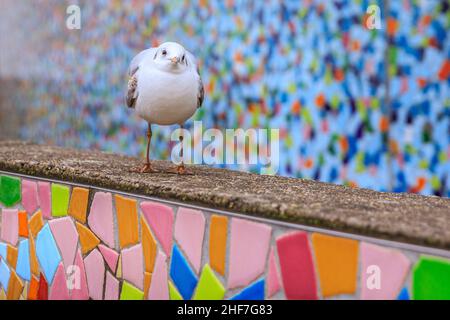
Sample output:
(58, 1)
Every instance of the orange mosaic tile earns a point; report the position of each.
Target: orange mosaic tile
(11, 256)
(34, 287)
(127, 221)
(36, 223)
(337, 264)
(88, 239)
(34, 263)
(147, 282)
(218, 243)
(23, 224)
(148, 246)
(15, 287)
(79, 203)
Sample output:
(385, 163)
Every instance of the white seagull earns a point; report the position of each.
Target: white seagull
(165, 88)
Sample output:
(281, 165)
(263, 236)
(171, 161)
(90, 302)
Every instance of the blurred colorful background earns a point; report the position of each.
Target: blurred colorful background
(361, 107)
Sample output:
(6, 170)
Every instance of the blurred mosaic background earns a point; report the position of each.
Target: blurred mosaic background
(368, 108)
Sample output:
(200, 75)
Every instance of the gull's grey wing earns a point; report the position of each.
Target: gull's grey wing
(201, 90)
(132, 90)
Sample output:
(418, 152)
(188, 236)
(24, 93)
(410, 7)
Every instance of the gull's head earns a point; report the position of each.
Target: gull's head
(171, 57)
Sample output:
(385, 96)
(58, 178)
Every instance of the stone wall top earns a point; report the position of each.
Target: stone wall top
(402, 217)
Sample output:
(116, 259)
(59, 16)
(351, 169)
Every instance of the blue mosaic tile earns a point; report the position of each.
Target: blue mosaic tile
(47, 252)
(182, 274)
(255, 291)
(403, 295)
(3, 250)
(4, 274)
(23, 260)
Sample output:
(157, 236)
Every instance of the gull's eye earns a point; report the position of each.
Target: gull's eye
(182, 59)
(164, 52)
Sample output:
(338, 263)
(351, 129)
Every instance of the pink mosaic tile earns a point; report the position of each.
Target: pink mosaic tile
(159, 288)
(30, 200)
(383, 272)
(111, 287)
(189, 233)
(58, 289)
(296, 264)
(160, 219)
(79, 288)
(111, 256)
(95, 274)
(45, 199)
(133, 266)
(273, 278)
(10, 226)
(66, 236)
(249, 245)
(101, 219)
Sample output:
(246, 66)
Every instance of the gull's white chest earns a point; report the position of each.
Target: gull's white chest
(166, 98)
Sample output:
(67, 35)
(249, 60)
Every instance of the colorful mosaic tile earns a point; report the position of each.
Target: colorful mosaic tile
(23, 224)
(60, 200)
(111, 287)
(95, 274)
(79, 203)
(248, 261)
(431, 279)
(391, 265)
(209, 286)
(64, 258)
(80, 290)
(255, 291)
(47, 252)
(218, 243)
(159, 289)
(30, 199)
(297, 270)
(100, 218)
(160, 218)
(337, 264)
(23, 261)
(58, 289)
(127, 221)
(133, 266)
(111, 257)
(10, 193)
(45, 199)
(66, 237)
(130, 293)
(189, 232)
(173, 292)
(11, 256)
(182, 274)
(148, 246)
(88, 240)
(10, 226)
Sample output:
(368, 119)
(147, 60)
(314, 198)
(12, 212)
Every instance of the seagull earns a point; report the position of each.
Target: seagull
(164, 88)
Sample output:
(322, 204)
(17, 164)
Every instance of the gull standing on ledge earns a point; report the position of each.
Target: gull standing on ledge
(165, 88)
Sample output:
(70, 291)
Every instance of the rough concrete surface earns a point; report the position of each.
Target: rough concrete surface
(402, 217)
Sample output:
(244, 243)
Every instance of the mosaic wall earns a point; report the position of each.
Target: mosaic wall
(310, 68)
(63, 242)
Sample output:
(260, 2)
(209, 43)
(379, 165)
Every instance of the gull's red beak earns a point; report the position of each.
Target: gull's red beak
(174, 60)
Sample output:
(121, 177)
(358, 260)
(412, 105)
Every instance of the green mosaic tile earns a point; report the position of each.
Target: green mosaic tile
(60, 200)
(129, 292)
(431, 279)
(173, 292)
(209, 287)
(9, 190)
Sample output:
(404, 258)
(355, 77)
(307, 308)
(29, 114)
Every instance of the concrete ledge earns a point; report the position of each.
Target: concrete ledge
(401, 217)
